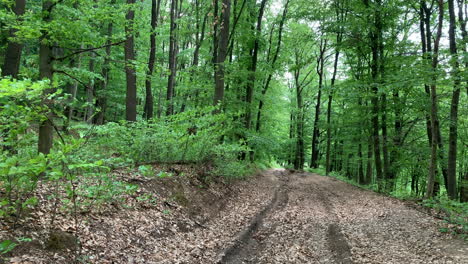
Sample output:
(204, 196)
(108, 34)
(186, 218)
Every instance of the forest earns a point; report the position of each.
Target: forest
(100, 99)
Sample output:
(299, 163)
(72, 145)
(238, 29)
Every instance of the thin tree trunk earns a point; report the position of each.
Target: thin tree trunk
(315, 133)
(369, 168)
(339, 38)
(434, 106)
(199, 39)
(253, 67)
(273, 63)
(88, 117)
(102, 97)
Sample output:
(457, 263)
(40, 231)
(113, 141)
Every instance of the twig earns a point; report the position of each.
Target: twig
(87, 50)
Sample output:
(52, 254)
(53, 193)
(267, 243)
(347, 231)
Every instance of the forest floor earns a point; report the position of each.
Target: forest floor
(275, 217)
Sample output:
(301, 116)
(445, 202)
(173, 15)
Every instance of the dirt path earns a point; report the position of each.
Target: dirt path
(315, 219)
(274, 217)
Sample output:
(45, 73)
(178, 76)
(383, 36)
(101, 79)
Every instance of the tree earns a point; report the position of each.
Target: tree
(130, 73)
(321, 60)
(173, 49)
(149, 108)
(434, 105)
(14, 46)
(46, 71)
(452, 154)
(221, 52)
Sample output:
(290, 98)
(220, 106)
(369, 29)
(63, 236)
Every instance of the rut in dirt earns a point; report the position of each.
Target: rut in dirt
(315, 219)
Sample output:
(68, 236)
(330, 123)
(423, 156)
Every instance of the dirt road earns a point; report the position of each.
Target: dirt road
(315, 219)
(274, 217)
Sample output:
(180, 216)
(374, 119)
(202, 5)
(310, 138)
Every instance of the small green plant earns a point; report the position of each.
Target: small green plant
(146, 170)
(163, 174)
(7, 246)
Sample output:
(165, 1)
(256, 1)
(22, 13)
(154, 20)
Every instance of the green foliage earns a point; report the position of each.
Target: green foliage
(455, 214)
(7, 246)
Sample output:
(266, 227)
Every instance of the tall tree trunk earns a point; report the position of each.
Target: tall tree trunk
(426, 40)
(397, 139)
(315, 133)
(14, 47)
(453, 134)
(299, 158)
(222, 53)
(253, 67)
(149, 108)
(369, 169)
(375, 67)
(272, 63)
(434, 106)
(46, 71)
(462, 9)
(130, 73)
(172, 58)
(340, 16)
(389, 177)
(88, 117)
(199, 39)
(101, 102)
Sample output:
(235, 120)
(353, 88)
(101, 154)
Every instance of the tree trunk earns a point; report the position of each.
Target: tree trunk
(130, 73)
(434, 107)
(315, 133)
(222, 53)
(172, 59)
(149, 108)
(14, 48)
(253, 67)
(462, 19)
(375, 40)
(46, 135)
(453, 134)
(88, 117)
(272, 63)
(369, 169)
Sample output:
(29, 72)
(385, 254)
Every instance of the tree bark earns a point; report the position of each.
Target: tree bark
(172, 58)
(315, 133)
(14, 47)
(272, 64)
(221, 54)
(101, 96)
(88, 117)
(46, 136)
(434, 106)
(253, 67)
(374, 37)
(130, 73)
(453, 134)
(340, 17)
(149, 101)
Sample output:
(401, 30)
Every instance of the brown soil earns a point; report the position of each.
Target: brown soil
(274, 217)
